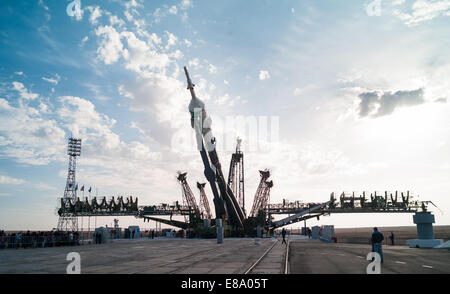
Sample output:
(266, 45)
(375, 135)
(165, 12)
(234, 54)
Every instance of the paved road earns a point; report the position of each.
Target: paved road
(164, 256)
(315, 257)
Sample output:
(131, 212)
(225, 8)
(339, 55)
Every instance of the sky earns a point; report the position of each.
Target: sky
(331, 96)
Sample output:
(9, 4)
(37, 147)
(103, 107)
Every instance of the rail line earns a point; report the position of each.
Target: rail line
(286, 258)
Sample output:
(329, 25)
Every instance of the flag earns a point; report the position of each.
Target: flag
(70, 185)
(82, 189)
(90, 189)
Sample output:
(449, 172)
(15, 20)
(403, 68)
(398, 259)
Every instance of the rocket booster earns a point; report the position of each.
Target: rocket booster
(201, 123)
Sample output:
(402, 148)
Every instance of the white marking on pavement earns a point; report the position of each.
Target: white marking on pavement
(400, 262)
(360, 256)
(427, 266)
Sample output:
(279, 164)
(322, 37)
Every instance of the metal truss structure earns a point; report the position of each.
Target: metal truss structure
(236, 175)
(347, 203)
(188, 196)
(205, 210)
(262, 195)
(70, 222)
(93, 208)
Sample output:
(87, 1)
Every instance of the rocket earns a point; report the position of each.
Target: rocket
(225, 202)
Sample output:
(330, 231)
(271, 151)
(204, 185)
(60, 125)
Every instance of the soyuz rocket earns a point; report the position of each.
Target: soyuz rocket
(225, 203)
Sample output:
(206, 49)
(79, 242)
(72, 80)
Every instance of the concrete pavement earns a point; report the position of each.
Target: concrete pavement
(315, 257)
(158, 256)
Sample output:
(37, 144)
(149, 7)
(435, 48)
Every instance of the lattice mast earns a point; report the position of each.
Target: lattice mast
(262, 195)
(188, 196)
(69, 222)
(236, 175)
(204, 203)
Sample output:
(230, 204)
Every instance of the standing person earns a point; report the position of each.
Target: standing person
(377, 238)
(153, 234)
(132, 234)
(283, 233)
(392, 238)
(309, 233)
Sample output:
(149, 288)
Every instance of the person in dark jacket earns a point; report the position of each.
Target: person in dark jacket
(392, 238)
(283, 233)
(377, 239)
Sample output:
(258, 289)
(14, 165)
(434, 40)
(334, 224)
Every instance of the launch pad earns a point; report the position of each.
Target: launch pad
(228, 195)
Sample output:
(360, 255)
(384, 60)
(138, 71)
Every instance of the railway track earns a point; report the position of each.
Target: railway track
(285, 269)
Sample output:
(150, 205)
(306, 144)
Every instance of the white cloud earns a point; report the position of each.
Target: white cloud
(52, 80)
(28, 136)
(5, 180)
(171, 40)
(83, 41)
(298, 91)
(114, 20)
(226, 82)
(19, 73)
(111, 46)
(173, 10)
(212, 69)
(264, 75)
(424, 10)
(195, 63)
(188, 43)
(24, 93)
(44, 187)
(186, 4)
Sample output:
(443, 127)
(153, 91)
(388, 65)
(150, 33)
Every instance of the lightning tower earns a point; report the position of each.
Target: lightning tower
(70, 222)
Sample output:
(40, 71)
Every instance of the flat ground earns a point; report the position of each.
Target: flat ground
(315, 257)
(158, 256)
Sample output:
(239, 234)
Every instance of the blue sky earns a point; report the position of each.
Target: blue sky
(361, 100)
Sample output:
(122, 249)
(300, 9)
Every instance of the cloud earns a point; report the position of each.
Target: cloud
(171, 41)
(423, 10)
(5, 180)
(111, 46)
(212, 69)
(264, 75)
(173, 10)
(188, 43)
(186, 4)
(441, 100)
(375, 104)
(44, 187)
(83, 41)
(24, 93)
(114, 20)
(52, 80)
(28, 136)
